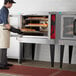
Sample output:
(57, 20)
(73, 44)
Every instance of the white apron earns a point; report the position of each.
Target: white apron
(4, 37)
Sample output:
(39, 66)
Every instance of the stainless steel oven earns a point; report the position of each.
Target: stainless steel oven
(40, 24)
(51, 25)
(65, 26)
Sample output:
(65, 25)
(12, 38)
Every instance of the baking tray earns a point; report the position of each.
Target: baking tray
(36, 33)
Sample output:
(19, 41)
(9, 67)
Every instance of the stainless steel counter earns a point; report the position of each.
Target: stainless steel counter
(35, 39)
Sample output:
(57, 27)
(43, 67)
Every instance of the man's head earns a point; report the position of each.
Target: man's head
(8, 3)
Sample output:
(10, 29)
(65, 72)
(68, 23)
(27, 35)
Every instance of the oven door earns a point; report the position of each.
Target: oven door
(16, 22)
(67, 27)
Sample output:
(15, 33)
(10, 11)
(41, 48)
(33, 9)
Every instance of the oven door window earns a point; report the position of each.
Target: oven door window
(67, 26)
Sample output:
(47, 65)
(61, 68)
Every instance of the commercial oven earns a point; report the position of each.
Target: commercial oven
(65, 26)
(41, 24)
(38, 28)
(65, 32)
(52, 25)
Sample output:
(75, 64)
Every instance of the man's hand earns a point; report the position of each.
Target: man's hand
(7, 26)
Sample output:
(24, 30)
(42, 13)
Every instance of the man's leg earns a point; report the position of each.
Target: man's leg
(3, 59)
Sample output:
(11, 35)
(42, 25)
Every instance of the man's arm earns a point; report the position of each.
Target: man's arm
(4, 16)
(12, 29)
(7, 25)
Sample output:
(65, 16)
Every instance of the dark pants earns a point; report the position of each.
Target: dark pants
(3, 57)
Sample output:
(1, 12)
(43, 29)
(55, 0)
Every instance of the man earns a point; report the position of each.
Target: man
(4, 29)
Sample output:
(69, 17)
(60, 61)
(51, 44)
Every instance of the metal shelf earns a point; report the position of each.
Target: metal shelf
(36, 25)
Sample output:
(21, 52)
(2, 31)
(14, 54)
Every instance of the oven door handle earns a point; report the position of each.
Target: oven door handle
(74, 27)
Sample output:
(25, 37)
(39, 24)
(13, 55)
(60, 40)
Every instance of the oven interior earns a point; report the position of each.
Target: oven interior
(35, 25)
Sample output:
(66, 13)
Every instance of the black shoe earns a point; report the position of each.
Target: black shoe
(9, 64)
(5, 67)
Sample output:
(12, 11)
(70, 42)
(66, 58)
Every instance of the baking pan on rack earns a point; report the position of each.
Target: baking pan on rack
(36, 33)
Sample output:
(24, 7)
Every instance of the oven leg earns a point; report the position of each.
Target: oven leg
(70, 53)
(52, 50)
(61, 55)
(21, 53)
(33, 51)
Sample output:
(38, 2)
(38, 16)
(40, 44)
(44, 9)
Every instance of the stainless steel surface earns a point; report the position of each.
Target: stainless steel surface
(60, 38)
(67, 42)
(49, 27)
(15, 21)
(37, 40)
